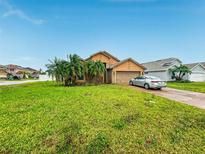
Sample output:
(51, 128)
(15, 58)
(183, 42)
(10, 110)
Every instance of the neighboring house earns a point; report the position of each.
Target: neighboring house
(160, 68)
(117, 71)
(20, 72)
(30, 72)
(3, 73)
(198, 72)
(12, 69)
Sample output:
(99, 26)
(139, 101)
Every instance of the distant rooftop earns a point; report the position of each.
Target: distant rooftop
(162, 64)
(13, 66)
(192, 65)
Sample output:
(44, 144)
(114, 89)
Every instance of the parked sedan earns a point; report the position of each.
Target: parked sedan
(148, 82)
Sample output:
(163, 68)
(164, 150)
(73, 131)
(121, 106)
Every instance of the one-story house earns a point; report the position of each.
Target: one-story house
(198, 72)
(160, 68)
(117, 71)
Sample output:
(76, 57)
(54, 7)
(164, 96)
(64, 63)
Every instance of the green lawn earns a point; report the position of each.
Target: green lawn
(46, 118)
(193, 86)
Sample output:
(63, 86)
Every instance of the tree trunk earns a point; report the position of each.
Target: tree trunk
(66, 82)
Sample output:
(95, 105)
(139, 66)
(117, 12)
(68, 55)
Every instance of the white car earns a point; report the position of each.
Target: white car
(148, 82)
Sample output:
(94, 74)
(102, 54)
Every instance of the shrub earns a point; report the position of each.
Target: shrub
(119, 124)
(98, 144)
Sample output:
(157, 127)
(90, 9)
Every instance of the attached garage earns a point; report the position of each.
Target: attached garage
(125, 70)
(125, 76)
(197, 77)
(198, 72)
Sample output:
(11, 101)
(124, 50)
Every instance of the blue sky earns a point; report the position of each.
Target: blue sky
(33, 31)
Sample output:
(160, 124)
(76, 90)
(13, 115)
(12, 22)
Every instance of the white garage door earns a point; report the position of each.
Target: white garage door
(197, 77)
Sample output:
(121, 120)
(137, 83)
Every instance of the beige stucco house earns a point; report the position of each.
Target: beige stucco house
(117, 71)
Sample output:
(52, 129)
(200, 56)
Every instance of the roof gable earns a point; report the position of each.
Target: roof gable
(193, 65)
(123, 61)
(199, 68)
(105, 53)
(203, 63)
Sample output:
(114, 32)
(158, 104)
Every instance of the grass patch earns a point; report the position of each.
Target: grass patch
(192, 86)
(47, 118)
(99, 144)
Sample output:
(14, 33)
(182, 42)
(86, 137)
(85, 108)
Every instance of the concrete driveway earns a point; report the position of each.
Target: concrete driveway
(187, 97)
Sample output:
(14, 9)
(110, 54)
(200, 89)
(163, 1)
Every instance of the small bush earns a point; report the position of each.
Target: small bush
(98, 144)
(131, 118)
(119, 124)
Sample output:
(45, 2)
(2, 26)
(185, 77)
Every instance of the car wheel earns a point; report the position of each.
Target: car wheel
(131, 83)
(146, 86)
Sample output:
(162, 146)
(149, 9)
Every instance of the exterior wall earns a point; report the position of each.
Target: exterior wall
(197, 77)
(104, 59)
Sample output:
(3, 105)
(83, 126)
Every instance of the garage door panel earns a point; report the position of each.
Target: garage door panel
(197, 77)
(125, 76)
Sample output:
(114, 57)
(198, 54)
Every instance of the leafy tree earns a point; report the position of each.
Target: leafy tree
(178, 72)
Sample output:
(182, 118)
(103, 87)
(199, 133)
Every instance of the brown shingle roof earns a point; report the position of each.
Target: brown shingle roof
(11, 66)
(104, 53)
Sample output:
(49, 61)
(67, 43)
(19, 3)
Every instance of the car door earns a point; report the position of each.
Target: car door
(142, 81)
(136, 81)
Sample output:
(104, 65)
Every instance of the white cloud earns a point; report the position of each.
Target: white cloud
(13, 11)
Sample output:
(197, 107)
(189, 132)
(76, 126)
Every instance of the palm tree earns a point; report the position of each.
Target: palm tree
(178, 72)
(54, 69)
(67, 71)
(75, 68)
(94, 69)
